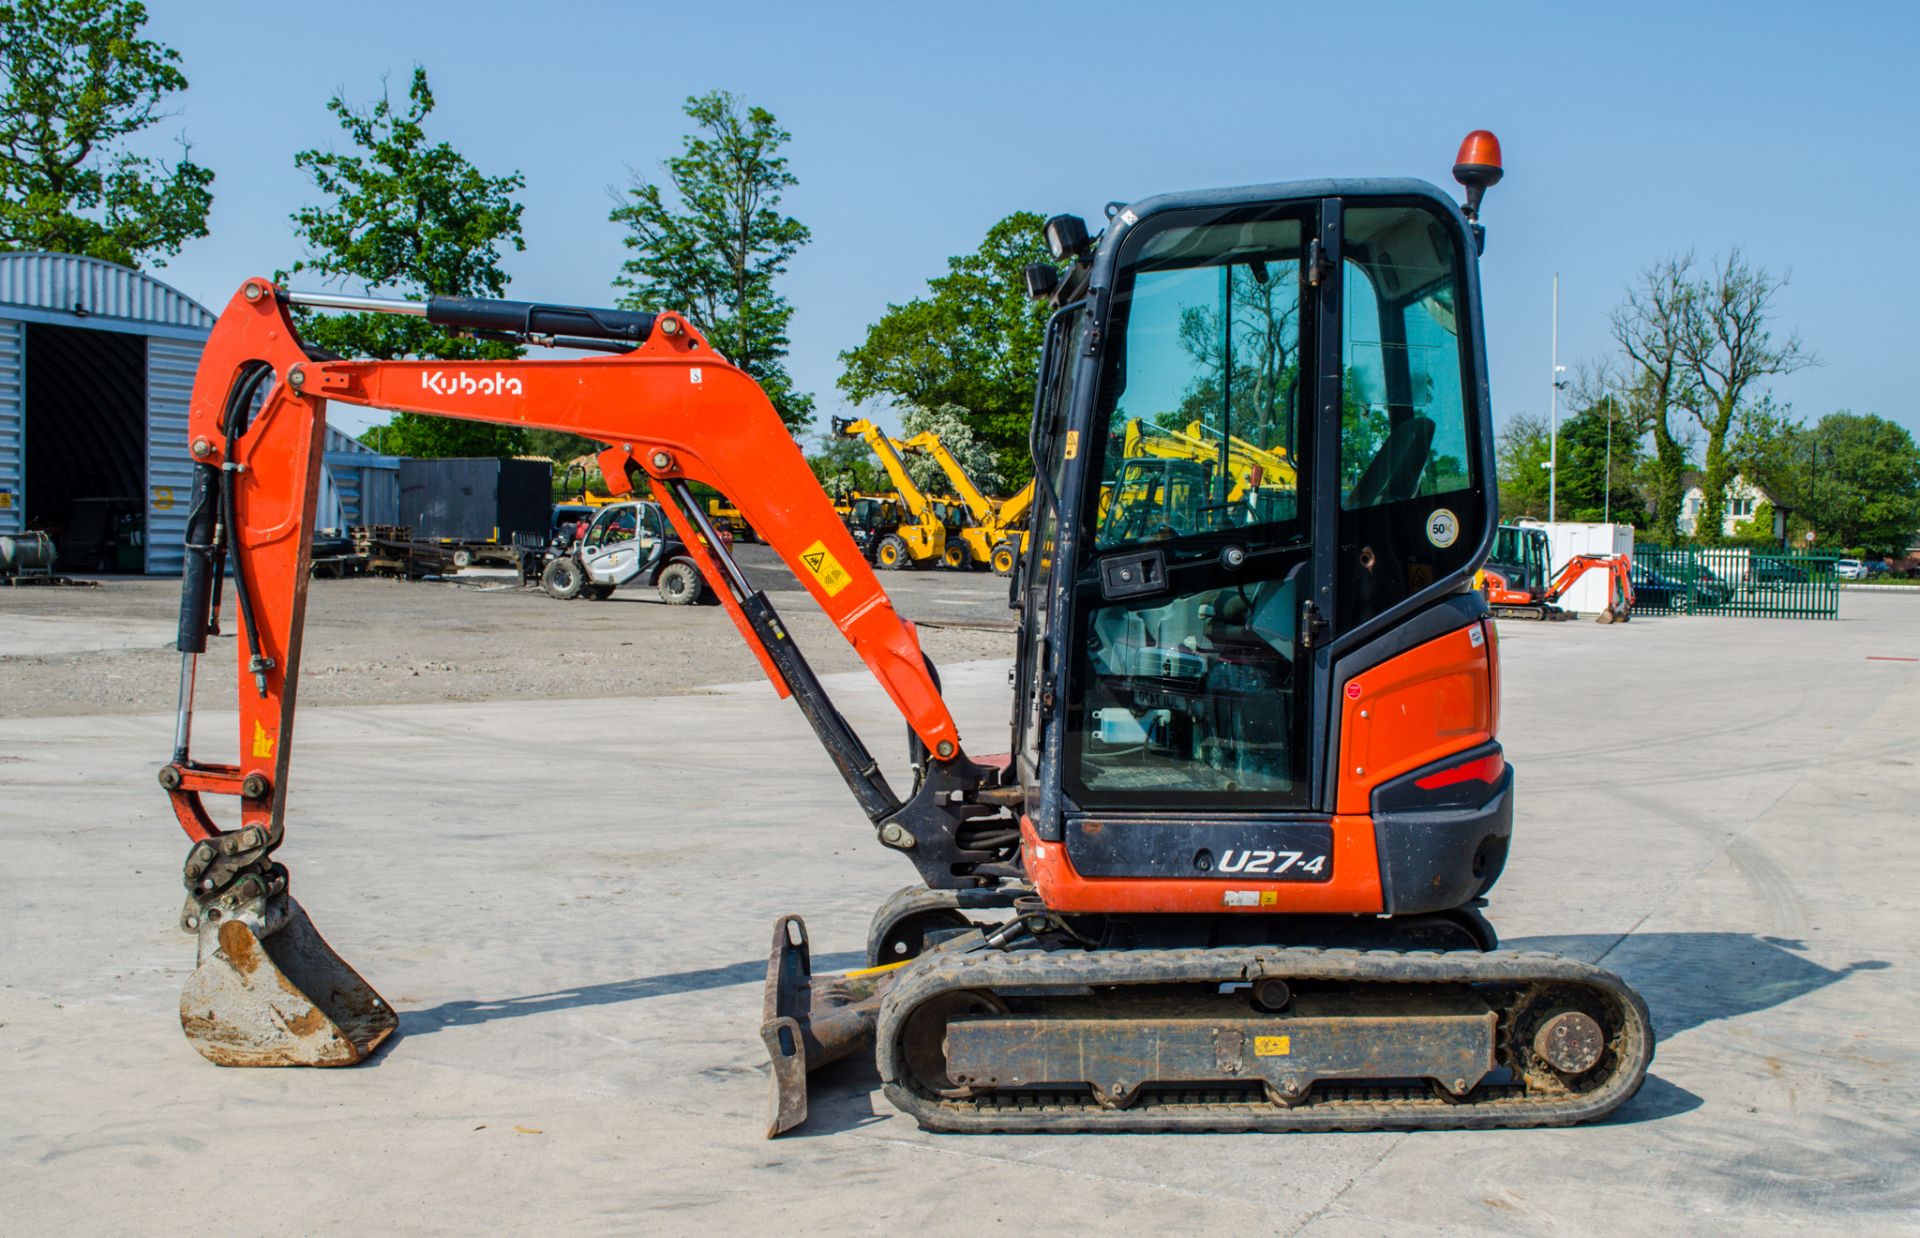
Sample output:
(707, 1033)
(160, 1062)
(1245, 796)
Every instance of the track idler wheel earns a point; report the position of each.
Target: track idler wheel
(269, 991)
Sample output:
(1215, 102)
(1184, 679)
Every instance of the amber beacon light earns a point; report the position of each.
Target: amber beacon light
(1477, 167)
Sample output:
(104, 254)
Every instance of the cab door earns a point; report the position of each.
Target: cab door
(1196, 591)
(616, 546)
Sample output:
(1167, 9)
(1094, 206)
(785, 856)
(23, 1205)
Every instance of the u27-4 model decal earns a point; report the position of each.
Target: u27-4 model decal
(1254, 862)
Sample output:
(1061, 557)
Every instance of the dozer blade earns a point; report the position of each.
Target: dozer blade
(275, 994)
(808, 1023)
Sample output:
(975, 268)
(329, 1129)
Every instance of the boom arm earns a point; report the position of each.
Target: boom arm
(672, 411)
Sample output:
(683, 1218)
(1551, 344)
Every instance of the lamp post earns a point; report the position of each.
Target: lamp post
(1606, 501)
(1552, 462)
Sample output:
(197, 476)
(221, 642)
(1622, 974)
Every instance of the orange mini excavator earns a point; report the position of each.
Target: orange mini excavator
(1230, 874)
(1515, 578)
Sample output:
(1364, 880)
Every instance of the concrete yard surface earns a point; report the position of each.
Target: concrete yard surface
(570, 903)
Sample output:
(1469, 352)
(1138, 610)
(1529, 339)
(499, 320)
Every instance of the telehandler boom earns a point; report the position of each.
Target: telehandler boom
(922, 537)
(1229, 876)
(997, 536)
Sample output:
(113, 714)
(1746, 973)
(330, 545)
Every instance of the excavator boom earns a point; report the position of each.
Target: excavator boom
(671, 411)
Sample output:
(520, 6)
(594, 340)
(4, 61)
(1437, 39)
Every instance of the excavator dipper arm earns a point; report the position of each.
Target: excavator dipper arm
(671, 411)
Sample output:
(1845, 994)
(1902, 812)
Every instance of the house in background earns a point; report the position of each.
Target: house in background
(1743, 498)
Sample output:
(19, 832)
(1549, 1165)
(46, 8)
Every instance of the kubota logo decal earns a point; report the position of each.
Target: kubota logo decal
(440, 382)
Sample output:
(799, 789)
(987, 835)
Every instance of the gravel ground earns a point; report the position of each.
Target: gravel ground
(108, 650)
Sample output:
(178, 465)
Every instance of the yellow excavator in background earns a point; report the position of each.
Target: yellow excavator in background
(921, 537)
(1257, 476)
(997, 536)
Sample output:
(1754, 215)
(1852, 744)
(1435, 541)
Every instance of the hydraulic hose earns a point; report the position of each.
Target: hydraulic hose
(239, 404)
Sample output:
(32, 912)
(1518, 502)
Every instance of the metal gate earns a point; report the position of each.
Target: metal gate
(1734, 580)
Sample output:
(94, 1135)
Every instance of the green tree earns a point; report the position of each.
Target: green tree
(410, 217)
(972, 341)
(844, 465)
(711, 242)
(1729, 349)
(1247, 365)
(954, 426)
(1758, 533)
(1853, 478)
(1520, 455)
(1864, 486)
(1595, 483)
(79, 79)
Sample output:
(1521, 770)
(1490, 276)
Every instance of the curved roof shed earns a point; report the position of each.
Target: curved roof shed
(96, 368)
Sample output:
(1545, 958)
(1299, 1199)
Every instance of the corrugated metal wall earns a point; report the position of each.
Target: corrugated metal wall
(13, 426)
(66, 284)
(170, 367)
(360, 486)
(379, 497)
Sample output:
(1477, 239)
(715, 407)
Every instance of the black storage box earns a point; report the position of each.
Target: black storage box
(483, 500)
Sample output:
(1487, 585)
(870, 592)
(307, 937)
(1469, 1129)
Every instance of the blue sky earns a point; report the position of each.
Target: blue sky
(1630, 131)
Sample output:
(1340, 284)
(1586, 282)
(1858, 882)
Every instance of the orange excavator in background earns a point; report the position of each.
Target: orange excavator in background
(1229, 874)
(1515, 578)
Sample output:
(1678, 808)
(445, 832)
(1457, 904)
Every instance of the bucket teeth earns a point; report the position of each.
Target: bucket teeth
(269, 991)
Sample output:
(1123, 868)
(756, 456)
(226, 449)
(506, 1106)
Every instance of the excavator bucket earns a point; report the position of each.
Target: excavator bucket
(275, 994)
(810, 1023)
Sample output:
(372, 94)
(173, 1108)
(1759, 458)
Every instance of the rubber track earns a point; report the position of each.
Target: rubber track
(1330, 1108)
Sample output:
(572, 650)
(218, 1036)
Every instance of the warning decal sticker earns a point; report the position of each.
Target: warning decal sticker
(826, 569)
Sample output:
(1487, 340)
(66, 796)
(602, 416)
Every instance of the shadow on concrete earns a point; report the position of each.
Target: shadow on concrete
(466, 1013)
(1689, 979)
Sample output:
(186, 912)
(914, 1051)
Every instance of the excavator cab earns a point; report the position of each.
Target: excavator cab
(1193, 648)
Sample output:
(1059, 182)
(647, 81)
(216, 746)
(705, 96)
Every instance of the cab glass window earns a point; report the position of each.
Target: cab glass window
(1199, 428)
(1400, 356)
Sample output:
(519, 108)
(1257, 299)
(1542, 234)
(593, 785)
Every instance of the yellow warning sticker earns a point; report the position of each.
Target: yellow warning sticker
(1073, 443)
(262, 742)
(825, 568)
(1272, 1046)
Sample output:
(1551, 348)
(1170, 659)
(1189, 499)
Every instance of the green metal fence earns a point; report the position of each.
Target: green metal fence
(1733, 580)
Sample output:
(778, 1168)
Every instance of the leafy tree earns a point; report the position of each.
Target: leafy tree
(1650, 327)
(1758, 533)
(1853, 478)
(973, 341)
(1520, 453)
(711, 241)
(1248, 367)
(1866, 491)
(78, 79)
(952, 423)
(1728, 347)
(1595, 483)
(416, 218)
(558, 445)
(844, 465)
